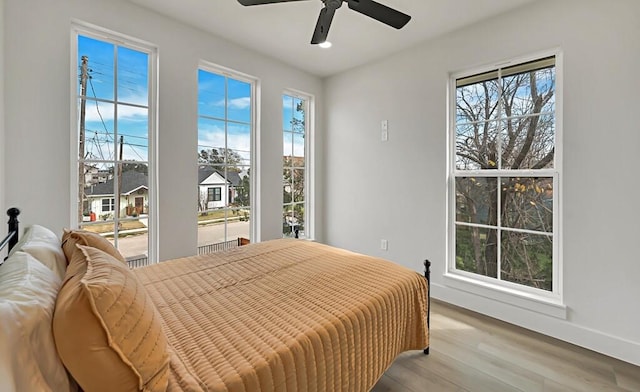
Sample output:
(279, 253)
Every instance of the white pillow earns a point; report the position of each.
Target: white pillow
(45, 246)
(28, 357)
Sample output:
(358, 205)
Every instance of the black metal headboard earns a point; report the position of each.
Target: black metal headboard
(12, 236)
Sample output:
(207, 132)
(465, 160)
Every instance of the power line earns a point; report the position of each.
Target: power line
(97, 106)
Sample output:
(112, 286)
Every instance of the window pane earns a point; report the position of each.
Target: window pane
(287, 219)
(132, 76)
(210, 177)
(298, 219)
(298, 185)
(287, 147)
(477, 102)
(104, 228)
(298, 150)
(528, 142)
(99, 136)
(528, 203)
(231, 180)
(298, 120)
(211, 141)
(293, 220)
(476, 200)
(133, 133)
(239, 101)
(238, 144)
(242, 190)
(211, 228)
(527, 259)
(211, 94)
(476, 145)
(133, 247)
(529, 92)
(134, 189)
(287, 113)
(238, 225)
(98, 184)
(476, 250)
(99, 65)
(287, 179)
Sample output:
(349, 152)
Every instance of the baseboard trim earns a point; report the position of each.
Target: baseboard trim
(603, 343)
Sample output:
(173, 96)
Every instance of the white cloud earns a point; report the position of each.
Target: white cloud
(94, 112)
(236, 103)
(213, 137)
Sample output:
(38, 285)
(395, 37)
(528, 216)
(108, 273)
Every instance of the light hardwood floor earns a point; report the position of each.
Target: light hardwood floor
(471, 352)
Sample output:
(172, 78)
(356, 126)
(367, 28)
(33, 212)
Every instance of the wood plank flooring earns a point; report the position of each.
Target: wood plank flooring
(471, 352)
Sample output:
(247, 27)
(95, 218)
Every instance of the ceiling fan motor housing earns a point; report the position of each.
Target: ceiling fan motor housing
(334, 4)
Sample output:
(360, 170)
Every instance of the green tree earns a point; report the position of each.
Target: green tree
(137, 167)
(216, 156)
(243, 191)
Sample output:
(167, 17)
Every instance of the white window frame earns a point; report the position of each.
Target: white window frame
(309, 168)
(542, 301)
(254, 208)
(79, 27)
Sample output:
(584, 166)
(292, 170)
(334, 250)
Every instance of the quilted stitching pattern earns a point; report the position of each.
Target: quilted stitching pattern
(285, 315)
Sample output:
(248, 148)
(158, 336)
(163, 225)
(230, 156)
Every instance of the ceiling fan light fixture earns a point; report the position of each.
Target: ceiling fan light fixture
(325, 44)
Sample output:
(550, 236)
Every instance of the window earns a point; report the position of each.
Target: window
(114, 134)
(224, 156)
(108, 205)
(504, 178)
(295, 216)
(215, 194)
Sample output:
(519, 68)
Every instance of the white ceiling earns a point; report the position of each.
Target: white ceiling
(283, 30)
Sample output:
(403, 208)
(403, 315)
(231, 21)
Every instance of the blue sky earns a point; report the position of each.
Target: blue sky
(131, 74)
(293, 139)
(132, 122)
(211, 114)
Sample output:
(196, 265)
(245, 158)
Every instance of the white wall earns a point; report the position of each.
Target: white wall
(37, 80)
(2, 150)
(601, 50)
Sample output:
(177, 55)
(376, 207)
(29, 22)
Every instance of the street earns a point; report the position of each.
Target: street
(136, 245)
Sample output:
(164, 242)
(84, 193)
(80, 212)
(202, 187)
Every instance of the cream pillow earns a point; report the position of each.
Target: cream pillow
(28, 357)
(44, 245)
(82, 237)
(107, 330)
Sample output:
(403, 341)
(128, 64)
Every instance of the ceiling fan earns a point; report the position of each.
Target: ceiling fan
(370, 8)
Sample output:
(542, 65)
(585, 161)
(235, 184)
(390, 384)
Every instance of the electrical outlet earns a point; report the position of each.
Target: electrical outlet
(384, 245)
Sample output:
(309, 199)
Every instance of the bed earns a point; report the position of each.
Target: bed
(281, 315)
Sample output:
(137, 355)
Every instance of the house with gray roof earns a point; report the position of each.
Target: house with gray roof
(214, 189)
(134, 195)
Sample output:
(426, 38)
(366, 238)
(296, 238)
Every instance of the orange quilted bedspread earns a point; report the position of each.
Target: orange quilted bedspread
(286, 315)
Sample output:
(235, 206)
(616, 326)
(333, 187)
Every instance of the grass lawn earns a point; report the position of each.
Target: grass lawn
(134, 224)
(218, 214)
(108, 227)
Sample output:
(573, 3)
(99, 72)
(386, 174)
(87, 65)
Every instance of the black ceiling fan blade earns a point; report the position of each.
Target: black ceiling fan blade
(380, 12)
(259, 2)
(322, 27)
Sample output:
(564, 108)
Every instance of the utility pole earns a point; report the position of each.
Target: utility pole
(118, 207)
(84, 76)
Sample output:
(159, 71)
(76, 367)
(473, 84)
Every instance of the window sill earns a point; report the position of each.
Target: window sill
(529, 301)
